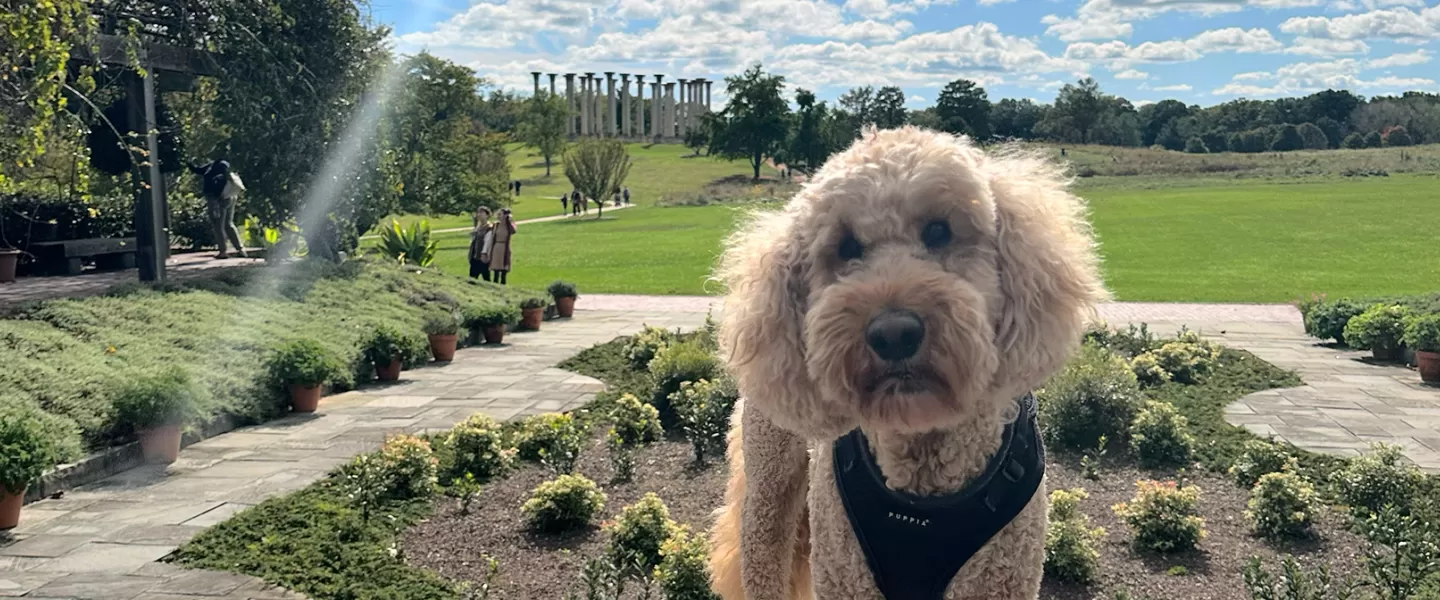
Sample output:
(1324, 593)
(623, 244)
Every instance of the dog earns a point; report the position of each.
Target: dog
(896, 313)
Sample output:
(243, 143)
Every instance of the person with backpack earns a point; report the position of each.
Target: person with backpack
(221, 188)
(627, 194)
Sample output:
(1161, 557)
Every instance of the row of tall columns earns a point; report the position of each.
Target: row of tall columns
(598, 109)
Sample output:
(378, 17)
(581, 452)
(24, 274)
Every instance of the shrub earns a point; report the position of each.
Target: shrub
(636, 535)
(480, 316)
(1281, 505)
(1368, 483)
(30, 442)
(1163, 516)
(562, 289)
(703, 409)
(169, 397)
(1403, 553)
(1372, 139)
(1326, 319)
(684, 571)
(1186, 359)
(1354, 141)
(1422, 332)
(635, 422)
(533, 303)
(1257, 459)
(440, 322)
(1129, 342)
(553, 438)
(622, 456)
(465, 489)
(386, 343)
(1195, 145)
(1094, 395)
(1070, 552)
(1379, 327)
(1396, 136)
(562, 504)
(1293, 582)
(1287, 139)
(365, 483)
(303, 362)
(675, 364)
(477, 447)
(642, 347)
(409, 246)
(1147, 369)
(409, 466)
(1161, 436)
(1313, 138)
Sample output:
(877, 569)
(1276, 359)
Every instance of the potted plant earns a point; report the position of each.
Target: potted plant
(27, 448)
(1378, 328)
(304, 366)
(532, 311)
(1422, 332)
(491, 320)
(564, 294)
(158, 406)
(444, 332)
(389, 350)
(9, 259)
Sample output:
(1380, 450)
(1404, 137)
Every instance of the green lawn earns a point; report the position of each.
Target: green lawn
(658, 169)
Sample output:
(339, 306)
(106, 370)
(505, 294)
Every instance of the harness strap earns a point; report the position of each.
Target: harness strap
(915, 545)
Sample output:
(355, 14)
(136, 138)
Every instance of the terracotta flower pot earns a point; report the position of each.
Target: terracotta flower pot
(530, 318)
(390, 372)
(9, 258)
(566, 306)
(1429, 363)
(1387, 354)
(305, 399)
(10, 508)
(442, 347)
(494, 334)
(160, 445)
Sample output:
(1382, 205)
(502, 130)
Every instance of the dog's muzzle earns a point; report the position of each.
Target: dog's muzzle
(895, 335)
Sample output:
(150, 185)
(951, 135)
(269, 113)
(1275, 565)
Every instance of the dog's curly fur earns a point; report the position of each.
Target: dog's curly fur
(1003, 303)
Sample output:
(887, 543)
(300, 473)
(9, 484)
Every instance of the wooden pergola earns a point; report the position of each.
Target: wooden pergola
(169, 61)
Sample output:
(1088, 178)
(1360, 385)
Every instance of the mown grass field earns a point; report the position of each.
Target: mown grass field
(1173, 227)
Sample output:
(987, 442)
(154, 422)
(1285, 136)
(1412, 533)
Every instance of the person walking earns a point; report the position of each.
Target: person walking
(221, 189)
(480, 238)
(575, 200)
(616, 197)
(497, 249)
(627, 194)
(517, 187)
(564, 203)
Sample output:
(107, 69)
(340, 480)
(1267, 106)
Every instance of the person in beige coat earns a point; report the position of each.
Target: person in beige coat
(497, 252)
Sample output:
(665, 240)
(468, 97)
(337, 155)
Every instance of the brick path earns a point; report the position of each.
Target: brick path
(100, 541)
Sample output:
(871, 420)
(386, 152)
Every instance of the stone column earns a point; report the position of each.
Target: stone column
(587, 113)
(536, 76)
(692, 112)
(680, 112)
(570, 104)
(708, 108)
(625, 105)
(552, 84)
(656, 126)
(610, 103)
(670, 110)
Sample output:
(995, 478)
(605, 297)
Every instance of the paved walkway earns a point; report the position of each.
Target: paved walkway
(608, 208)
(100, 541)
(178, 267)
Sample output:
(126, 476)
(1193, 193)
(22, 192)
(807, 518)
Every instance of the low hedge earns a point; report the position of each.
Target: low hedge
(1325, 318)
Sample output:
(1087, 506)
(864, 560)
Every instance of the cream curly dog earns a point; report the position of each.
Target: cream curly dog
(906, 297)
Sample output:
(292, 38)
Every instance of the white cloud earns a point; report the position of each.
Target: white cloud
(1074, 30)
(1253, 76)
(1121, 54)
(1326, 47)
(1110, 19)
(992, 2)
(1418, 57)
(1400, 24)
(1308, 77)
(1235, 39)
(1132, 74)
(1179, 87)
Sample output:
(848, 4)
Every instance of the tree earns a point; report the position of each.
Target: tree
(1312, 137)
(1081, 105)
(1155, 117)
(1195, 145)
(1169, 137)
(859, 103)
(699, 137)
(1354, 141)
(926, 118)
(808, 146)
(889, 107)
(1373, 140)
(434, 134)
(1395, 136)
(753, 124)
(1216, 141)
(964, 107)
(1334, 133)
(543, 126)
(1331, 104)
(1011, 118)
(597, 167)
(34, 56)
(1287, 139)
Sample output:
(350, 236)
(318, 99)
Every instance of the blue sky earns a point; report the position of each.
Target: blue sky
(1199, 51)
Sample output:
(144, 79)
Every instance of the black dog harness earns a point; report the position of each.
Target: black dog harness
(916, 544)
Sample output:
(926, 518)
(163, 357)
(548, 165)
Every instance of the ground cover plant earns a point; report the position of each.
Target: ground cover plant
(68, 357)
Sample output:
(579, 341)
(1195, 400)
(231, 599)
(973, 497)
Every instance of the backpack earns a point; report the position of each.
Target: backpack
(233, 187)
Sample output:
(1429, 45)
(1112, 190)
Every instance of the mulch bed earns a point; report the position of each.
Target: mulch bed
(534, 566)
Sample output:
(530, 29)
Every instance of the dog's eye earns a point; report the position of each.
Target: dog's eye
(850, 248)
(936, 234)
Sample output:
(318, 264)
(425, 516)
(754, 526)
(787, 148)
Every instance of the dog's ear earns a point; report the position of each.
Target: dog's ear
(762, 325)
(1049, 271)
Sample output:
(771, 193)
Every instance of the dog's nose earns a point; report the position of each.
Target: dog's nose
(895, 334)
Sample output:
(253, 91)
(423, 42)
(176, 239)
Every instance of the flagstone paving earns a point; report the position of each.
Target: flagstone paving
(103, 540)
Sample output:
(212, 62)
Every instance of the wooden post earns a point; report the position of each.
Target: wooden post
(151, 240)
